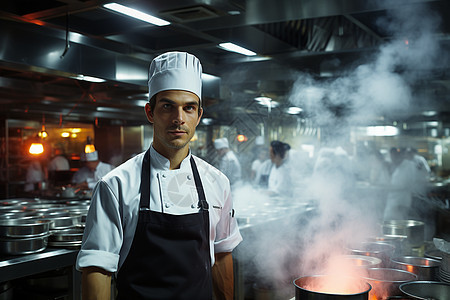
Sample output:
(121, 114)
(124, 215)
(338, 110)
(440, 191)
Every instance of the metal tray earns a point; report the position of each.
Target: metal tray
(64, 222)
(67, 235)
(23, 228)
(23, 246)
(67, 245)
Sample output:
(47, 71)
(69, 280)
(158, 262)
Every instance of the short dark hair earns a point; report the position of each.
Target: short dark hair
(279, 148)
(152, 103)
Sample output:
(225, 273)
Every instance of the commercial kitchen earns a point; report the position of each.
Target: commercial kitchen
(356, 91)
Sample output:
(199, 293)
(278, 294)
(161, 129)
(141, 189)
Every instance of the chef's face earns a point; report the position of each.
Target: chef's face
(92, 165)
(175, 116)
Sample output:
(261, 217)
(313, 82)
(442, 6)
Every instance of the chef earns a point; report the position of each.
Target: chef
(162, 219)
(399, 199)
(279, 183)
(93, 169)
(229, 163)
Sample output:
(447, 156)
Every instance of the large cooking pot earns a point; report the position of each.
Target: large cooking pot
(412, 229)
(381, 250)
(362, 261)
(396, 240)
(385, 282)
(424, 268)
(426, 290)
(327, 287)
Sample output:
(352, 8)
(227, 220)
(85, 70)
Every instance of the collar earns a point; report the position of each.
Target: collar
(160, 162)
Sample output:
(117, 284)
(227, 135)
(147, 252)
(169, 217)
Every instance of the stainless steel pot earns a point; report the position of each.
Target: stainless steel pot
(363, 261)
(20, 246)
(426, 290)
(383, 251)
(395, 240)
(63, 222)
(324, 287)
(412, 229)
(385, 282)
(67, 235)
(17, 228)
(424, 268)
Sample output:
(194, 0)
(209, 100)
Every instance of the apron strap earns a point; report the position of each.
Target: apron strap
(145, 182)
(198, 184)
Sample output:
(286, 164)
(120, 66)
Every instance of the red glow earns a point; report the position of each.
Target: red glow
(241, 138)
(406, 42)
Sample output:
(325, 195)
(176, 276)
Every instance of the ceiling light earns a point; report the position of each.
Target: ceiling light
(136, 14)
(294, 110)
(209, 77)
(429, 113)
(266, 101)
(382, 130)
(207, 121)
(36, 148)
(89, 78)
(238, 49)
(263, 99)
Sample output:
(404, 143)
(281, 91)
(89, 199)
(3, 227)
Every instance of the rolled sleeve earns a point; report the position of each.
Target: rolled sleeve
(103, 235)
(97, 258)
(229, 243)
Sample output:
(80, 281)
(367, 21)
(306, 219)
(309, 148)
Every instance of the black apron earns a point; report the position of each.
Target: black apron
(169, 257)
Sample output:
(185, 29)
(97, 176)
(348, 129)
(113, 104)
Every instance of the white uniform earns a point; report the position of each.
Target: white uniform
(280, 180)
(399, 199)
(91, 177)
(113, 216)
(231, 167)
(35, 174)
(422, 176)
(59, 163)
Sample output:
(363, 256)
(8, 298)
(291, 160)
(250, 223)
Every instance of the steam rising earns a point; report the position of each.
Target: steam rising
(380, 86)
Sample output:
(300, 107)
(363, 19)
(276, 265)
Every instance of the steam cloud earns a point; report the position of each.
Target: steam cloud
(378, 87)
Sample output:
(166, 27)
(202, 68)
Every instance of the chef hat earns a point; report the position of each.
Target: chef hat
(259, 140)
(92, 156)
(175, 71)
(221, 143)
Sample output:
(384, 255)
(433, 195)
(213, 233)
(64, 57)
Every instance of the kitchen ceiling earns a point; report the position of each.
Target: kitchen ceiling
(46, 45)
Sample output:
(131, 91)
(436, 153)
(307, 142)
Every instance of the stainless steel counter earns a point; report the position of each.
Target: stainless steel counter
(15, 267)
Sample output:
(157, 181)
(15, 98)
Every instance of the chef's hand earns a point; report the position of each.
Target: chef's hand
(82, 186)
(95, 284)
(222, 276)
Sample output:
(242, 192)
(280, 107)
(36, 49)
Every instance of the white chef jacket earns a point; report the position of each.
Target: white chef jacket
(231, 167)
(399, 198)
(113, 215)
(280, 180)
(421, 176)
(58, 163)
(35, 174)
(91, 177)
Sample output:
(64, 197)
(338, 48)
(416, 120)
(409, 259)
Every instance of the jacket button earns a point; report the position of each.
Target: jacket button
(163, 175)
(189, 177)
(167, 205)
(192, 205)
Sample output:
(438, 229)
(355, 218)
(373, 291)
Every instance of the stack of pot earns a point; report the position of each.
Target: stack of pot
(23, 236)
(444, 270)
